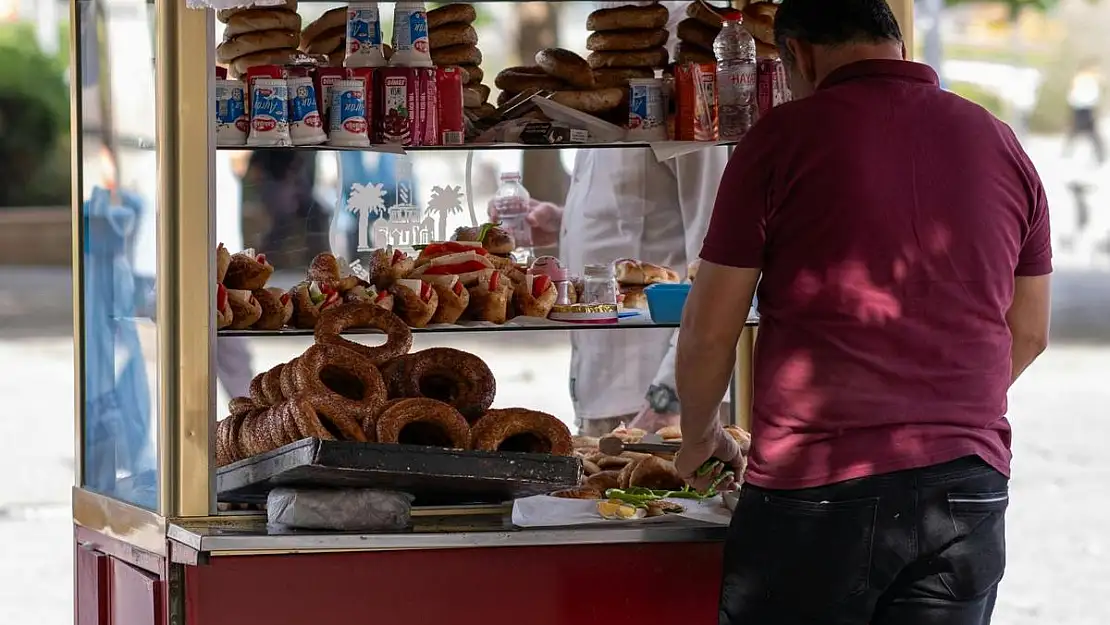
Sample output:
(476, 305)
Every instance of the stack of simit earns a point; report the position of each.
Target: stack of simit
(327, 36)
(627, 42)
(256, 36)
(454, 42)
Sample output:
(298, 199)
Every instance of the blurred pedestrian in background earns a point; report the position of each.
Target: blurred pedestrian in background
(1083, 100)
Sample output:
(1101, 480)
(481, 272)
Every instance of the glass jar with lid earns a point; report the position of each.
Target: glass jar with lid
(599, 285)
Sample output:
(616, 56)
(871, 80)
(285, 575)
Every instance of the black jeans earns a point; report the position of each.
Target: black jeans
(919, 547)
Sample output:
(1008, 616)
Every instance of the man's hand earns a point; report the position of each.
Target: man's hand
(545, 218)
(649, 420)
(695, 453)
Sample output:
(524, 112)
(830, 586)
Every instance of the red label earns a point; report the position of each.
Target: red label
(355, 126)
(449, 105)
(263, 124)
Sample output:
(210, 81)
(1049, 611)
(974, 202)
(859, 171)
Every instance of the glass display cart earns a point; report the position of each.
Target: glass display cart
(152, 543)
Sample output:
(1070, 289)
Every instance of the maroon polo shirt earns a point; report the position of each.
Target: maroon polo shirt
(889, 218)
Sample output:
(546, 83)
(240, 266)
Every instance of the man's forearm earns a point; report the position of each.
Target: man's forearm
(1022, 354)
(702, 373)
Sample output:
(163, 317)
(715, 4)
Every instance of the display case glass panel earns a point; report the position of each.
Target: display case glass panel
(118, 254)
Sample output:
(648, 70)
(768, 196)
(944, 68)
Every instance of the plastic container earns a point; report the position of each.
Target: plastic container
(666, 301)
(410, 36)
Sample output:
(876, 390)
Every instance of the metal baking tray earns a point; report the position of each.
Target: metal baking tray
(435, 476)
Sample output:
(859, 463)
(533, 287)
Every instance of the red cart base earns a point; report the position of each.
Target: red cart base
(625, 584)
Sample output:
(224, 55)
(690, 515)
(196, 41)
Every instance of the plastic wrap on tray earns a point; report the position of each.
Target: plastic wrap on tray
(346, 510)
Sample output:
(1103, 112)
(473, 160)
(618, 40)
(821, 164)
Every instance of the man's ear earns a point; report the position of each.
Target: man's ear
(803, 59)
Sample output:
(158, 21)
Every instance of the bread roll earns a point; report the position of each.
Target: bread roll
(521, 78)
(251, 43)
(621, 18)
(592, 100)
(632, 39)
(255, 20)
(634, 297)
(566, 65)
(452, 35)
(692, 31)
(705, 13)
(454, 13)
(225, 15)
(619, 76)
(267, 57)
(759, 20)
(656, 57)
(686, 52)
(334, 40)
(457, 55)
(330, 20)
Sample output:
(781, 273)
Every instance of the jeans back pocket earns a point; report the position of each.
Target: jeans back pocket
(975, 559)
(814, 552)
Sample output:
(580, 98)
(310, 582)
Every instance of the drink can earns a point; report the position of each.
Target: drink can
(427, 102)
(696, 102)
(647, 117)
(772, 88)
(449, 106)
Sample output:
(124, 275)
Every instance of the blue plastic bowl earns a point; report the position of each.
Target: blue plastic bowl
(666, 301)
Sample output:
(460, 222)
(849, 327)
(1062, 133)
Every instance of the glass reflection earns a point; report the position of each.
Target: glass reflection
(118, 249)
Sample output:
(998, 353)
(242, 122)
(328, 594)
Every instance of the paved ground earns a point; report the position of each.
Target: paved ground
(1059, 545)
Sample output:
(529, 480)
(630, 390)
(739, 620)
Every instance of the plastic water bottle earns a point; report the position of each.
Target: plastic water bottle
(734, 48)
(512, 203)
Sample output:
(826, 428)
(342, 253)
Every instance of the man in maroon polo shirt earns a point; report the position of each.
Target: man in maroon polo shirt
(899, 236)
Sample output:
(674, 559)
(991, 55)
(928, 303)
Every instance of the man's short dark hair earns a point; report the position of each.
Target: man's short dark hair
(835, 22)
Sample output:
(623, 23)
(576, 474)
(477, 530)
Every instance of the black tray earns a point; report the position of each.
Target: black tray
(435, 476)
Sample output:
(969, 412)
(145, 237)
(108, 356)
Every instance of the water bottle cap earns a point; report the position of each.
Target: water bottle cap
(732, 15)
(510, 175)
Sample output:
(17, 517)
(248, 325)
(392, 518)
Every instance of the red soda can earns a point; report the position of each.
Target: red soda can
(449, 110)
(396, 104)
(772, 88)
(429, 102)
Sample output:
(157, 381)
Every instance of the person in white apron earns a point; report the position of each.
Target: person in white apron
(627, 204)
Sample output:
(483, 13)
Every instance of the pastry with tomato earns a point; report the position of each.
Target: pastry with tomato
(277, 308)
(495, 239)
(328, 269)
(223, 261)
(489, 299)
(245, 309)
(536, 296)
(309, 300)
(414, 301)
(467, 260)
(388, 265)
(224, 316)
(453, 298)
(247, 271)
(361, 293)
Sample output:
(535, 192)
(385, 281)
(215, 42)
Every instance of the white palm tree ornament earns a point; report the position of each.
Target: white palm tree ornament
(445, 201)
(364, 200)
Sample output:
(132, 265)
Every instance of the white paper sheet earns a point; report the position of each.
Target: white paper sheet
(545, 511)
